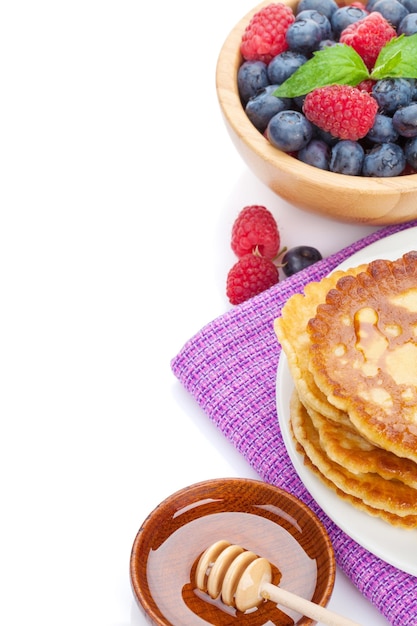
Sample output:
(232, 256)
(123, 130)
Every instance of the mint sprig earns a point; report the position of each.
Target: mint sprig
(339, 64)
(342, 65)
(397, 59)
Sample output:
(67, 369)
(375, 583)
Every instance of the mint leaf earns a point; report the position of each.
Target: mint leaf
(397, 59)
(339, 64)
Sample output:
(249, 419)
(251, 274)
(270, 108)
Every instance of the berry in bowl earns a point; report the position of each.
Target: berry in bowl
(320, 100)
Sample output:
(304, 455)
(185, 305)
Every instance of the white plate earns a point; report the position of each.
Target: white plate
(394, 545)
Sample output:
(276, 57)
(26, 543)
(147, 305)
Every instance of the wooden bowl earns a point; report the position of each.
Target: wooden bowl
(250, 513)
(350, 199)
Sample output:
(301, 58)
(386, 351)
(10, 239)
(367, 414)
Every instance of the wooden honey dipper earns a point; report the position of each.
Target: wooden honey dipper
(243, 580)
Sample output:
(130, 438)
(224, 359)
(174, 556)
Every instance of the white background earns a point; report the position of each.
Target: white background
(119, 186)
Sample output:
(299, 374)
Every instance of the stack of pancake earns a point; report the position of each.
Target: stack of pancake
(351, 345)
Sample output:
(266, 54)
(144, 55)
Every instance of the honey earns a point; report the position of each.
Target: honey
(268, 531)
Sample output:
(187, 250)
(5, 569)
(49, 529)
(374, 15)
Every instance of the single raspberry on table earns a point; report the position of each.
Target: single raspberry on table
(264, 37)
(368, 36)
(251, 275)
(343, 111)
(255, 228)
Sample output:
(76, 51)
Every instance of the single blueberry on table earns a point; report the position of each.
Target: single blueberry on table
(262, 107)
(282, 66)
(384, 160)
(347, 158)
(404, 120)
(289, 131)
(298, 258)
(251, 78)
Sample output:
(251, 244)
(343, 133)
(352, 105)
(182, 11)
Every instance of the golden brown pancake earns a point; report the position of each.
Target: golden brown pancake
(351, 344)
(363, 352)
(407, 523)
(344, 445)
(291, 331)
(389, 499)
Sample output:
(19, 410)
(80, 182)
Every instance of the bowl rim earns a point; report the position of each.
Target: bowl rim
(186, 497)
(228, 96)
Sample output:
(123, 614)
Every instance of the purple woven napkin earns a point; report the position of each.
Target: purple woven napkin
(230, 368)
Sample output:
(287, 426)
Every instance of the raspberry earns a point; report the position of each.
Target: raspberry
(264, 37)
(251, 275)
(408, 170)
(343, 111)
(368, 36)
(255, 228)
(366, 85)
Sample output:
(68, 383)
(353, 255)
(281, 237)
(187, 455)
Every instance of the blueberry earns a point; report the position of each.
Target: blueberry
(386, 159)
(303, 36)
(284, 65)
(347, 158)
(410, 151)
(404, 120)
(326, 7)
(393, 11)
(316, 153)
(265, 105)
(320, 19)
(369, 6)
(410, 5)
(344, 17)
(299, 102)
(413, 83)
(251, 78)
(326, 136)
(327, 43)
(317, 26)
(289, 131)
(408, 26)
(392, 93)
(383, 130)
(298, 258)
